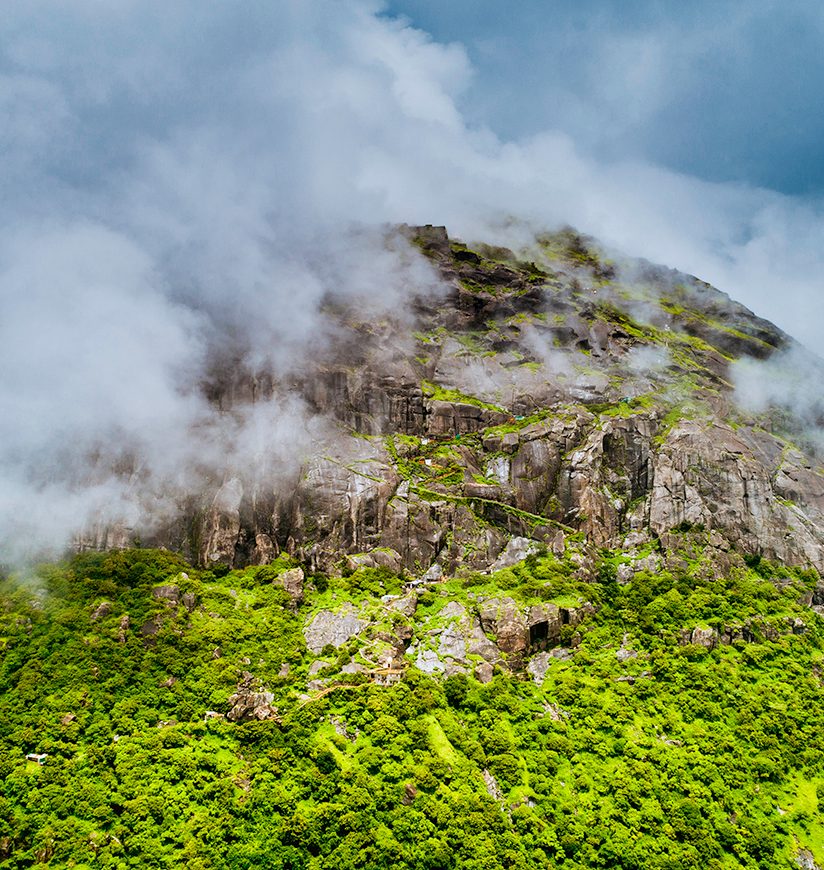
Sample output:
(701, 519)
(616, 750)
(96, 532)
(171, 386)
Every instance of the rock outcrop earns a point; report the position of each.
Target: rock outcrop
(247, 704)
(173, 597)
(532, 402)
(292, 582)
(101, 611)
(328, 628)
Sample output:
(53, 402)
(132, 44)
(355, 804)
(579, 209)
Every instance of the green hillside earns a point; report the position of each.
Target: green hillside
(637, 749)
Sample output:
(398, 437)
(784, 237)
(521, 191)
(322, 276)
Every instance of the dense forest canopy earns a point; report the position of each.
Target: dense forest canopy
(636, 749)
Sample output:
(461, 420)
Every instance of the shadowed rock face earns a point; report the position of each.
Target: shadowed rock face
(543, 395)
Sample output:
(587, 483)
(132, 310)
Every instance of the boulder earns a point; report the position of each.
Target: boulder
(452, 644)
(150, 628)
(453, 609)
(428, 661)
(246, 704)
(492, 787)
(516, 550)
(292, 581)
(169, 595)
(481, 645)
(483, 672)
(503, 619)
(103, 609)
(624, 573)
(433, 574)
(122, 627)
(410, 792)
(704, 636)
(805, 860)
(328, 627)
(574, 616)
(797, 625)
(406, 605)
(538, 666)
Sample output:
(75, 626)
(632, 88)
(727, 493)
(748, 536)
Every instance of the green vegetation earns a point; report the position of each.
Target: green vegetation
(437, 392)
(694, 319)
(518, 423)
(570, 247)
(626, 407)
(670, 756)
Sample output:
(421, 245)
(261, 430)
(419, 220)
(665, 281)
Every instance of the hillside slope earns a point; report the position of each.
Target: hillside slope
(545, 592)
(193, 720)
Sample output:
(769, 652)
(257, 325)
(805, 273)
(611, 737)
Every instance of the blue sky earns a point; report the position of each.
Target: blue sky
(727, 91)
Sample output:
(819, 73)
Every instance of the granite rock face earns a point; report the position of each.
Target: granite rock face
(221, 528)
(530, 402)
(328, 628)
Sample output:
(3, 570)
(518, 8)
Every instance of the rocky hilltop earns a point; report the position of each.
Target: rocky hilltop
(548, 394)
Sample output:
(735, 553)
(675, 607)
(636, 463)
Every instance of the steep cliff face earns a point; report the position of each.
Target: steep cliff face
(547, 394)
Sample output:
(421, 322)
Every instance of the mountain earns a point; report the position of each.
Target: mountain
(542, 588)
(549, 397)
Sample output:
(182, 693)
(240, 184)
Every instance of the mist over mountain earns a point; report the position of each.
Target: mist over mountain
(382, 489)
(183, 187)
